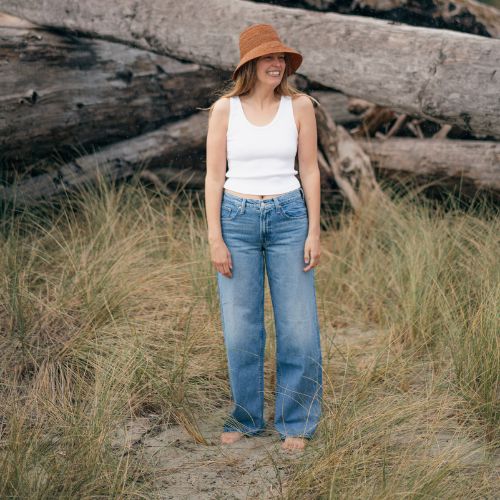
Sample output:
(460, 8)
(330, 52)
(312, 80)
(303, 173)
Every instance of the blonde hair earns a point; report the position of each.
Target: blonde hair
(245, 80)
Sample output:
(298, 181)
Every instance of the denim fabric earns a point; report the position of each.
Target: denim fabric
(270, 235)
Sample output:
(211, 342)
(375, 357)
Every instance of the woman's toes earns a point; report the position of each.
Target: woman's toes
(230, 437)
(294, 443)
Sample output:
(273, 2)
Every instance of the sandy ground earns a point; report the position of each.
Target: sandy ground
(256, 467)
(253, 467)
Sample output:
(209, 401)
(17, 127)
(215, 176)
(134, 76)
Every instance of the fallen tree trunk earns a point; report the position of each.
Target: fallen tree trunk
(466, 16)
(120, 160)
(346, 161)
(443, 75)
(475, 165)
(66, 95)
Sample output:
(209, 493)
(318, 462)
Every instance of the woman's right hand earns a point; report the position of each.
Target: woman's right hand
(221, 257)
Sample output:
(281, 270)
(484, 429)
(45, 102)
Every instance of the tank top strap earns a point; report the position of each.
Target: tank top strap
(288, 112)
(234, 117)
(288, 107)
(233, 105)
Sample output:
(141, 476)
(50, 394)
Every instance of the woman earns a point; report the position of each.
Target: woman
(258, 218)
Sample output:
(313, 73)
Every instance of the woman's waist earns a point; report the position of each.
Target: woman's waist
(253, 196)
(261, 188)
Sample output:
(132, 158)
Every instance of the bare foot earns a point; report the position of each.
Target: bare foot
(230, 437)
(293, 443)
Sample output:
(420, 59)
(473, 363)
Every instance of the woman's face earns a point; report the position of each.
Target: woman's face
(271, 68)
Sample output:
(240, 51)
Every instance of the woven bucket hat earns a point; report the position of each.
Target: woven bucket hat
(261, 39)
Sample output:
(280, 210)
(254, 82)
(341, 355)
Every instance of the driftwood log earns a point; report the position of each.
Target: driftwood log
(154, 150)
(345, 159)
(68, 95)
(475, 164)
(467, 16)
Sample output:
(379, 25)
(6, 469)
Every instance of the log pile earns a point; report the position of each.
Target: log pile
(123, 90)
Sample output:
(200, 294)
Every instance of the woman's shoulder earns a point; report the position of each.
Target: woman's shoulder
(302, 104)
(302, 100)
(221, 104)
(220, 109)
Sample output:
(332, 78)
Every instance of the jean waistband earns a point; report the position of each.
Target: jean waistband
(291, 195)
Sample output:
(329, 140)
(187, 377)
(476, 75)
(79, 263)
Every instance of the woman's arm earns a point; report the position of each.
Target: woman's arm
(309, 176)
(216, 155)
(216, 166)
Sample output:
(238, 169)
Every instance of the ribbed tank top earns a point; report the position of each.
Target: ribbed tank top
(261, 159)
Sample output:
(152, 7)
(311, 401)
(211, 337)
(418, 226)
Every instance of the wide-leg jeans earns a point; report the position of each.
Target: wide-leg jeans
(269, 234)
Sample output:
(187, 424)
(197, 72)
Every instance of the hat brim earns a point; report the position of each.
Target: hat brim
(268, 48)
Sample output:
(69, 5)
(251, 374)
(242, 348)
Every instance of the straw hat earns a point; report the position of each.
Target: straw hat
(261, 39)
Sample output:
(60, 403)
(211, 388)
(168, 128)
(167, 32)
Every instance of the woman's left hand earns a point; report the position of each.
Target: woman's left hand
(311, 252)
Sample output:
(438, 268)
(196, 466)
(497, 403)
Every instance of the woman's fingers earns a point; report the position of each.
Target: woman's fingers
(226, 271)
(313, 262)
(225, 268)
(221, 259)
(228, 265)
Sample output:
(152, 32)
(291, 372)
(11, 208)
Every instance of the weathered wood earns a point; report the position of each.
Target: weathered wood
(467, 16)
(439, 74)
(363, 118)
(475, 164)
(160, 148)
(62, 95)
(373, 118)
(348, 163)
(337, 105)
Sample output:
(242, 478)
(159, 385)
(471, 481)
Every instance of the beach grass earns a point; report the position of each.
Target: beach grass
(109, 312)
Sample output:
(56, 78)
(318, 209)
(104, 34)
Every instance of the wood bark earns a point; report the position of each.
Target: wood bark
(438, 74)
(65, 96)
(347, 162)
(467, 16)
(160, 148)
(475, 164)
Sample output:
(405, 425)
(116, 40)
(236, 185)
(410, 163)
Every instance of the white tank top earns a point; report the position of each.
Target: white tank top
(261, 159)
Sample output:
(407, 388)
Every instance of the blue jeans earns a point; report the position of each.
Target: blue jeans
(270, 232)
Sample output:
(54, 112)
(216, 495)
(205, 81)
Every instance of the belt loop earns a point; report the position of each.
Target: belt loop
(276, 202)
(243, 205)
(301, 192)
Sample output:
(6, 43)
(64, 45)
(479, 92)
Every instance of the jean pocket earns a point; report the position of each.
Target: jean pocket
(228, 211)
(295, 209)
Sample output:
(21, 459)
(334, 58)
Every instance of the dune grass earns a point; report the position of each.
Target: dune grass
(109, 311)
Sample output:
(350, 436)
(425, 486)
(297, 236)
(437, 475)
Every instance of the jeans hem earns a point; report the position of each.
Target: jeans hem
(305, 436)
(245, 433)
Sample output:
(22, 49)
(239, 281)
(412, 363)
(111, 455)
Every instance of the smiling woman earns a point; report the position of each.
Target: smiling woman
(262, 217)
